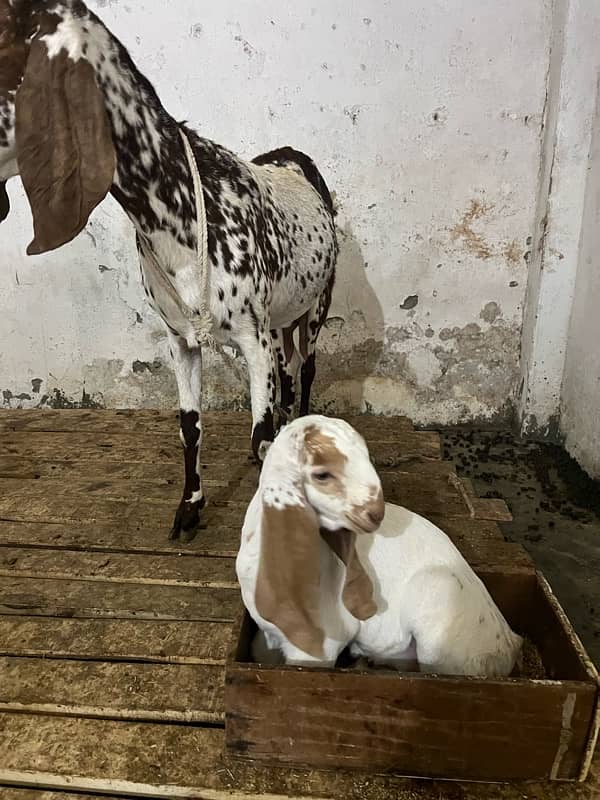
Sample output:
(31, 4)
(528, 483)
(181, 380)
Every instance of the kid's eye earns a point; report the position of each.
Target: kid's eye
(322, 476)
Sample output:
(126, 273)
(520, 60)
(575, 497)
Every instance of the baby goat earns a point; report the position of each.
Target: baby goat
(77, 120)
(321, 568)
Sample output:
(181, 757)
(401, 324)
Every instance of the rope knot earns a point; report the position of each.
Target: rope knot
(202, 327)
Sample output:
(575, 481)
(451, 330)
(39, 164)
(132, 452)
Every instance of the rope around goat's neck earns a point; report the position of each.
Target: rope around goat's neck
(201, 320)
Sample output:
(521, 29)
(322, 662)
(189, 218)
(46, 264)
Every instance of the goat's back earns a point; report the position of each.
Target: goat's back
(427, 593)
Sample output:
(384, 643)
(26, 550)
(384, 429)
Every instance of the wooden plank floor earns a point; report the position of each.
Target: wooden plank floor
(113, 638)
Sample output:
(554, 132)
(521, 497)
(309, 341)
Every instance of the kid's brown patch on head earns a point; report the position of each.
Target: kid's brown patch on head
(323, 453)
(323, 450)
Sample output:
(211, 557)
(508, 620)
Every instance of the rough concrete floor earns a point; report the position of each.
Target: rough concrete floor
(556, 510)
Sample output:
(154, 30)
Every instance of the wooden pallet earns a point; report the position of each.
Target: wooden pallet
(113, 638)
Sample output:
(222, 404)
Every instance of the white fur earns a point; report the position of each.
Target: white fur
(433, 614)
(429, 600)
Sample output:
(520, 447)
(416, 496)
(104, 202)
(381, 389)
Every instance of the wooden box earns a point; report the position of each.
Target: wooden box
(424, 725)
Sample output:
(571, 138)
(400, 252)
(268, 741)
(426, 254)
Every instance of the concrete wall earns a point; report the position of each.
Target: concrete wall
(426, 119)
(580, 419)
(561, 218)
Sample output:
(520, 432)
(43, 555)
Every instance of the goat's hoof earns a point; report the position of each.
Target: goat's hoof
(255, 461)
(259, 452)
(187, 519)
(262, 450)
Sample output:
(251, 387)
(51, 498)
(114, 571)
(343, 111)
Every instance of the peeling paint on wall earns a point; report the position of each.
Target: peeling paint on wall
(468, 373)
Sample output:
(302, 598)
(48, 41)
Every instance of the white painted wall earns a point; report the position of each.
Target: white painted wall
(561, 223)
(580, 418)
(426, 121)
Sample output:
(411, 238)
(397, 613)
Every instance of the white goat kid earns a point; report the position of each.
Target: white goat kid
(317, 490)
(316, 577)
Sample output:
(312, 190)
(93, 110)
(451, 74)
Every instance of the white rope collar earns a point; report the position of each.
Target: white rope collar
(202, 321)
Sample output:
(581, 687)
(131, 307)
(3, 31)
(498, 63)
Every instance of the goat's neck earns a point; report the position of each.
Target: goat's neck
(152, 179)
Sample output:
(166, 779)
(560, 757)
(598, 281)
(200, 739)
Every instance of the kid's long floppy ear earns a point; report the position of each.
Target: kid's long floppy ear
(357, 594)
(287, 586)
(65, 151)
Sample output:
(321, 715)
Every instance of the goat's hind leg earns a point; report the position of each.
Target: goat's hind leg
(309, 328)
(288, 361)
(187, 363)
(258, 352)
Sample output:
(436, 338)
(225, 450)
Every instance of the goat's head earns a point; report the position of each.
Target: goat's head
(54, 128)
(317, 483)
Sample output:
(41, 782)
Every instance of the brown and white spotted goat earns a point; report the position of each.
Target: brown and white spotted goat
(77, 120)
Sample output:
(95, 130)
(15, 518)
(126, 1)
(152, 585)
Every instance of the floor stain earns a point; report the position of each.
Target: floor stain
(556, 511)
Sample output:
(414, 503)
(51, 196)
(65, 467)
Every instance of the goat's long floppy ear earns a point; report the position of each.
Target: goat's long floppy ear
(287, 586)
(357, 594)
(4, 202)
(65, 151)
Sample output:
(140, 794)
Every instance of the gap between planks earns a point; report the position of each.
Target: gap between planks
(162, 570)
(149, 421)
(188, 761)
(86, 599)
(113, 689)
(176, 569)
(97, 639)
(216, 440)
(216, 541)
(47, 502)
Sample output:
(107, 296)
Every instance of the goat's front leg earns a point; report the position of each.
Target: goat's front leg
(257, 349)
(187, 363)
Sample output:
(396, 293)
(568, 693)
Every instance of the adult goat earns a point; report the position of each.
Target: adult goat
(78, 120)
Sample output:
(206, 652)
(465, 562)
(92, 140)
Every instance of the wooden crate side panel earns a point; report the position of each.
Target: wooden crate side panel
(423, 726)
(513, 590)
(560, 647)
(168, 761)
